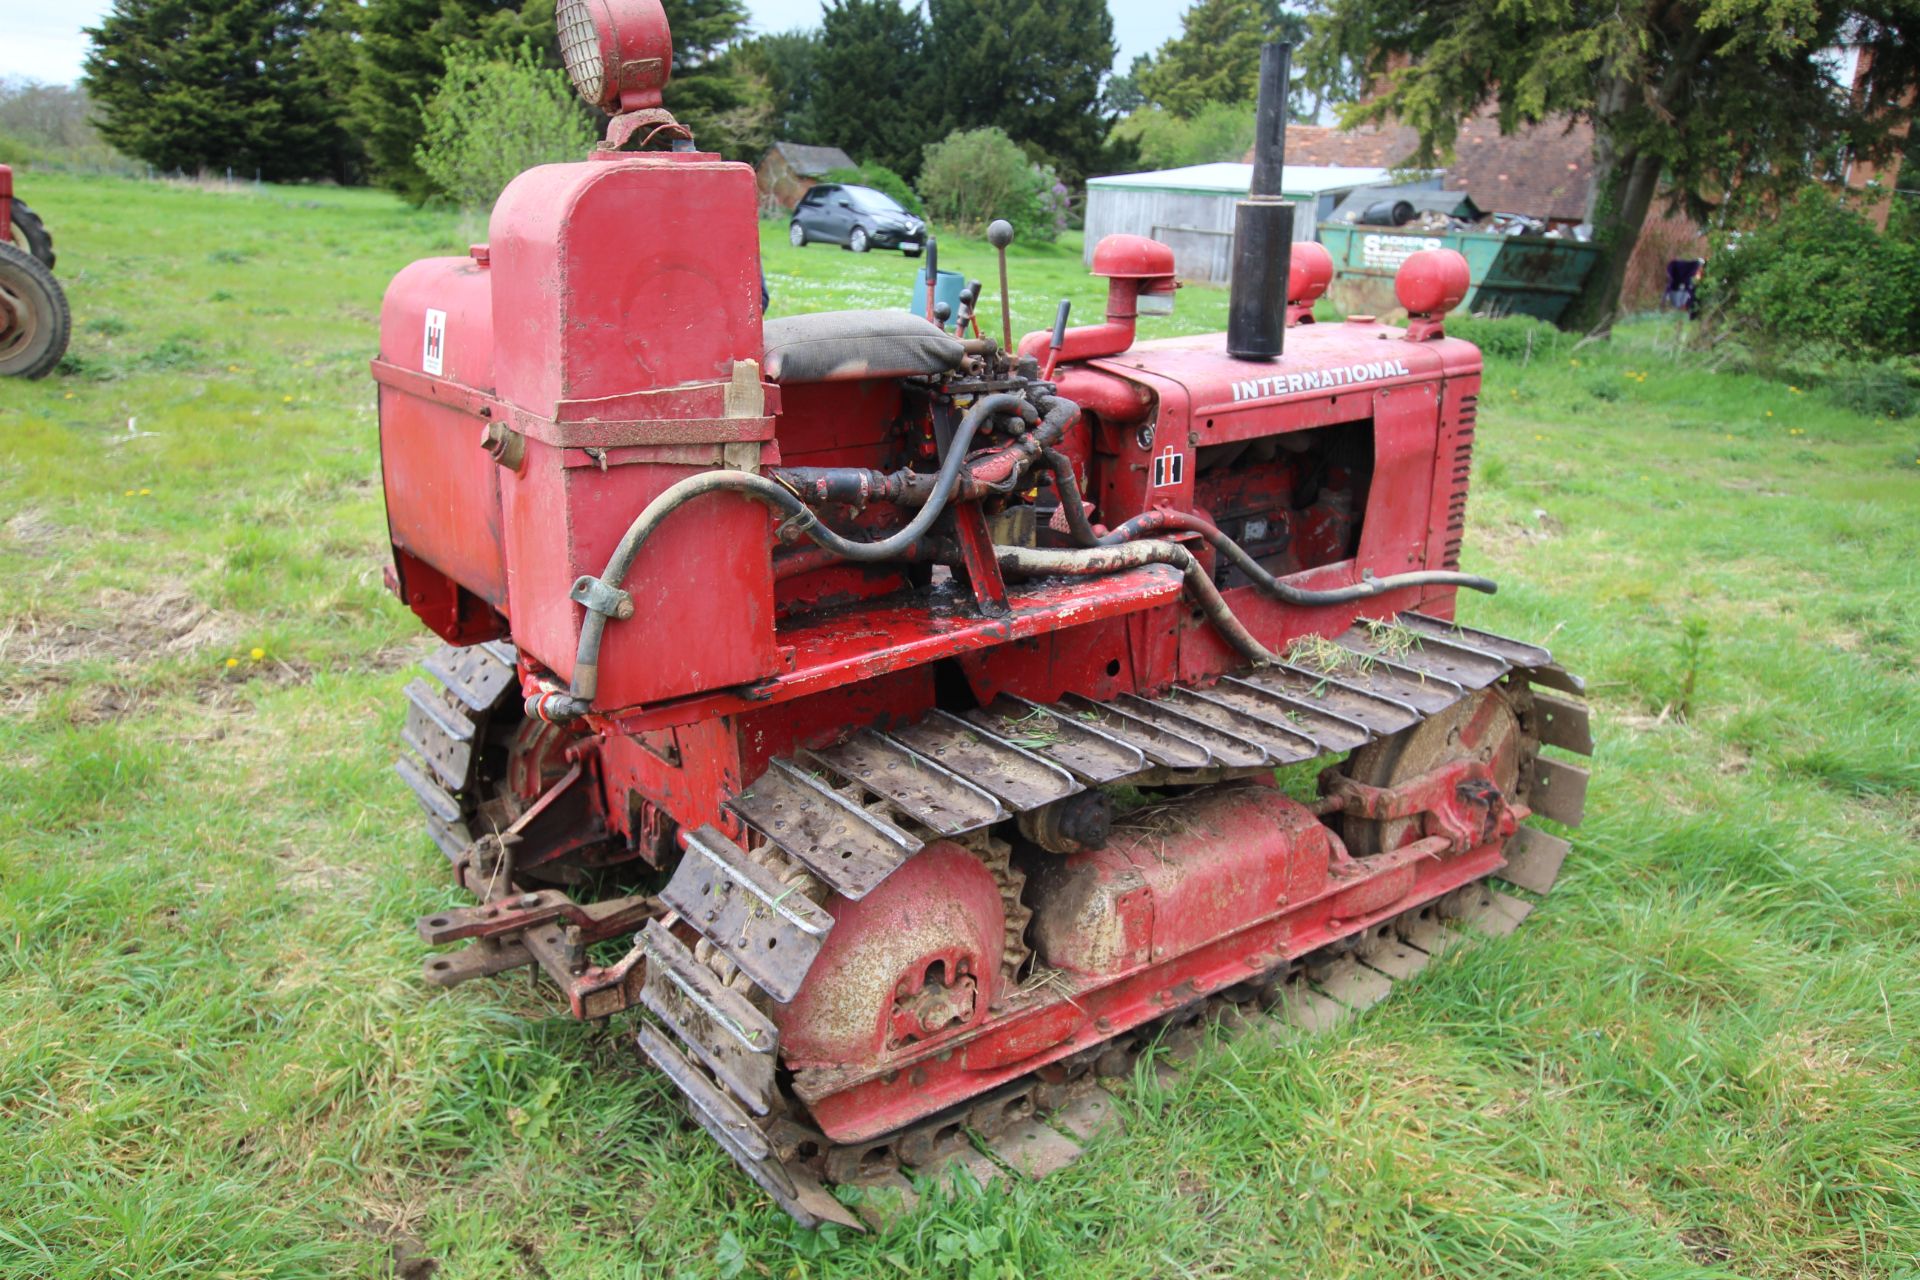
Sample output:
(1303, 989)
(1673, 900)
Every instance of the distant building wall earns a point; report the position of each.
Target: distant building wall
(780, 186)
(1197, 226)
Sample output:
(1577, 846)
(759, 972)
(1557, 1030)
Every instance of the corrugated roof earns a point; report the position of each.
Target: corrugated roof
(811, 162)
(1227, 178)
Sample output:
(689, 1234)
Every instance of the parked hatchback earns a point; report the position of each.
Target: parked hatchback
(858, 217)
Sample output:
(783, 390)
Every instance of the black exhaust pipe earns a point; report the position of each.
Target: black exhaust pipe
(1263, 225)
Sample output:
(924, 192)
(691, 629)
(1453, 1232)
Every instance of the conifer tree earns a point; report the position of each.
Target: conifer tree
(403, 55)
(871, 85)
(1216, 56)
(212, 85)
(1032, 68)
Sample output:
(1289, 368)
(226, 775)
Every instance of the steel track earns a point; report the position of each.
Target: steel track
(877, 798)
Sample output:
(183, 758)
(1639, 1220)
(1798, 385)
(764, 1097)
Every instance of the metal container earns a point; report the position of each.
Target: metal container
(1512, 275)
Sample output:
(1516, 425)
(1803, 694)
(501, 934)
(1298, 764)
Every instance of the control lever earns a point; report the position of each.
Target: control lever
(1059, 339)
(933, 274)
(1000, 235)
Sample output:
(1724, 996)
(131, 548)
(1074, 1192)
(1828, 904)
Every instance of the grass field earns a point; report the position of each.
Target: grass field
(217, 1057)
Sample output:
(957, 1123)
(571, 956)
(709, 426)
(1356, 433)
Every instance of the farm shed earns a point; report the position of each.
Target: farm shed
(789, 169)
(1191, 209)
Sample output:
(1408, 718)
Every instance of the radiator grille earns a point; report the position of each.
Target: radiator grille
(1457, 487)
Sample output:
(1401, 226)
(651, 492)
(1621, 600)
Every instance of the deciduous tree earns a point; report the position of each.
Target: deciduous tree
(403, 55)
(715, 91)
(1719, 102)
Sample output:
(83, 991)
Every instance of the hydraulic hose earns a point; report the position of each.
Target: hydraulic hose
(1093, 561)
(1072, 508)
(586, 670)
(1187, 521)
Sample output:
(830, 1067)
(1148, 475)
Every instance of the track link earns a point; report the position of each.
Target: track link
(844, 818)
(851, 814)
(1035, 1127)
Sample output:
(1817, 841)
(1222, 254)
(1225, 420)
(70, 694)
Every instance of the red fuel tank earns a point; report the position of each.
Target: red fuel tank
(615, 337)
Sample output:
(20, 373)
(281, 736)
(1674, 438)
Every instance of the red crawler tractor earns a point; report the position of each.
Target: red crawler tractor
(893, 713)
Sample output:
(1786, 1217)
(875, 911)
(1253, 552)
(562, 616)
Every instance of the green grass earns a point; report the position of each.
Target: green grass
(217, 1057)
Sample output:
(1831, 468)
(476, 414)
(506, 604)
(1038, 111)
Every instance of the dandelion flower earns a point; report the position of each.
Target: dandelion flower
(233, 368)
(286, 399)
(129, 493)
(146, 493)
(233, 662)
(256, 653)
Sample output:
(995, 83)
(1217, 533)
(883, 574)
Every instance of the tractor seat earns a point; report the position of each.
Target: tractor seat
(845, 346)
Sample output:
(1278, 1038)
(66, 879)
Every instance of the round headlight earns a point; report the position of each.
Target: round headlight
(580, 49)
(618, 53)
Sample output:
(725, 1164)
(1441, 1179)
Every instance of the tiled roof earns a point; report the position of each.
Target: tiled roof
(1542, 170)
(812, 162)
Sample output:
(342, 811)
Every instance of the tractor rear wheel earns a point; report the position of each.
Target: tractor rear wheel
(34, 320)
(31, 234)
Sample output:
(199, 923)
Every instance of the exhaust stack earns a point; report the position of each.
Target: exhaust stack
(1263, 225)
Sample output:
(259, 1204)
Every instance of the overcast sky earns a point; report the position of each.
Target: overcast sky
(42, 39)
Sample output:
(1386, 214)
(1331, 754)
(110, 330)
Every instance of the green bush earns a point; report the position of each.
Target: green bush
(1820, 273)
(1217, 131)
(1509, 337)
(493, 117)
(973, 176)
(881, 179)
(1880, 389)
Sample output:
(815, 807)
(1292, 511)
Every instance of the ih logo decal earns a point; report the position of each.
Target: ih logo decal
(433, 347)
(1169, 467)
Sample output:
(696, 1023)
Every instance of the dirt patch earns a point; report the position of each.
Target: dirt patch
(123, 629)
(31, 528)
(122, 626)
(228, 687)
(1707, 1246)
(398, 657)
(104, 703)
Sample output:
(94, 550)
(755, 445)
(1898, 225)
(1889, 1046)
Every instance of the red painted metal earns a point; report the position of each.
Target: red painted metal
(932, 928)
(625, 66)
(537, 394)
(1309, 272)
(6, 204)
(1154, 921)
(1432, 281)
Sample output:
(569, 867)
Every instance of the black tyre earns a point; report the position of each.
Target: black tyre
(31, 234)
(858, 240)
(34, 320)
